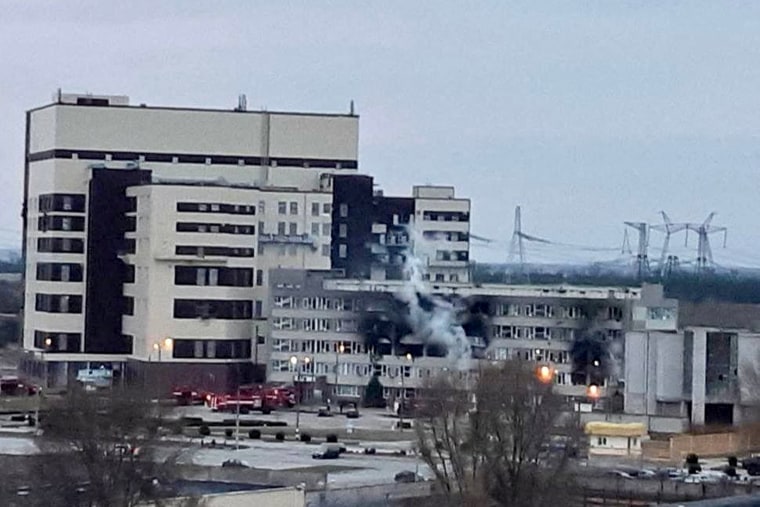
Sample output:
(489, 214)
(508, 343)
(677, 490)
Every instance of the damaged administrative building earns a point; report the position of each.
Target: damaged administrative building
(404, 332)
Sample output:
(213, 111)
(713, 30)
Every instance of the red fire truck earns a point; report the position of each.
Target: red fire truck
(248, 398)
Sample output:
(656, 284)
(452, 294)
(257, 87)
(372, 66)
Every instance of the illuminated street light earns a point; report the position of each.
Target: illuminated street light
(545, 374)
(593, 391)
(168, 343)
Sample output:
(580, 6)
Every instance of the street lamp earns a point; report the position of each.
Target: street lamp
(545, 374)
(341, 348)
(410, 358)
(294, 363)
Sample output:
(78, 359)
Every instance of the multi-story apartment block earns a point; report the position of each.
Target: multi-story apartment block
(325, 318)
(149, 232)
(704, 373)
(373, 233)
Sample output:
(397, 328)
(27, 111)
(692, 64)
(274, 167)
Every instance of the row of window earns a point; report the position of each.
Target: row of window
(61, 202)
(60, 223)
(446, 216)
(186, 158)
(205, 207)
(328, 369)
(229, 309)
(544, 333)
(211, 349)
(317, 346)
(215, 228)
(446, 255)
(59, 272)
(445, 235)
(317, 303)
(317, 324)
(57, 342)
(60, 245)
(215, 251)
(565, 312)
(216, 276)
(58, 303)
(531, 354)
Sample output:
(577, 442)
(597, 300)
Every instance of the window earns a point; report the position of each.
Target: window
(52, 341)
(259, 277)
(60, 245)
(440, 277)
(204, 207)
(281, 228)
(282, 207)
(293, 229)
(58, 303)
(454, 277)
(343, 210)
(315, 229)
(211, 349)
(262, 208)
(326, 229)
(326, 250)
(60, 223)
(229, 309)
(213, 251)
(293, 208)
(326, 208)
(315, 209)
(221, 276)
(601, 441)
(342, 251)
(258, 308)
(59, 272)
(61, 202)
(342, 230)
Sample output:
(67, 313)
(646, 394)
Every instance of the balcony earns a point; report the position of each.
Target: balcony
(288, 239)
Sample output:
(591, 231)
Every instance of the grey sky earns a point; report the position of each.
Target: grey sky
(585, 113)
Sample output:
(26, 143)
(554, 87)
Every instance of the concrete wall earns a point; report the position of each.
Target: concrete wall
(366, 496)
(280, 497)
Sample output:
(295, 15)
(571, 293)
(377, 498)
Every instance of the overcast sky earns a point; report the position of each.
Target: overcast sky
(585, 113)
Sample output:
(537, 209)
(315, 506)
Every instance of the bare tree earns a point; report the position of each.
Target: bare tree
(101, 451)
(503, 443)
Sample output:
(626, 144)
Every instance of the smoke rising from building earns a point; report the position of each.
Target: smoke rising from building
(418, 320)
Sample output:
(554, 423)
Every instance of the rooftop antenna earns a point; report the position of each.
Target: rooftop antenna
(351, 108)
(667, 227)
(642, 258)
(704, 251)
(242, 103)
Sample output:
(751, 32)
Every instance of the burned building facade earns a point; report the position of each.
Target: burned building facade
(353, 329)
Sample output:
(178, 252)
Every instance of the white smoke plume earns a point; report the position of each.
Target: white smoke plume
(436, 322)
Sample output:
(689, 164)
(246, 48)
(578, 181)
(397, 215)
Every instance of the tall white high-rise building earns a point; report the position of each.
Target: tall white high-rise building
(149, 232)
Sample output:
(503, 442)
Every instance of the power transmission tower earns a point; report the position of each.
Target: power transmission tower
(668, 228)
(642, 258)
(626, 248)
(704, 251)
(516, 246)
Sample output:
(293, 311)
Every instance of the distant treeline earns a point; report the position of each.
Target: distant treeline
(735, 288)
(12, 266)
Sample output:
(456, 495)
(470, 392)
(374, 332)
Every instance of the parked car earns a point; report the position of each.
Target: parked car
(352, 412)
(408, 476)
(327, 451)
(234, 463)
(324, 412)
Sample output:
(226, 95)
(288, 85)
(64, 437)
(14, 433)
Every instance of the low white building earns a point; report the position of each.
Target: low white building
(615, 439)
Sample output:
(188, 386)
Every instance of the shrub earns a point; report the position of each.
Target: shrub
(204, 430)
(332, 438)
(305, 437)
(255, 434)
(373, 394)
(228, 433)
(279, 436)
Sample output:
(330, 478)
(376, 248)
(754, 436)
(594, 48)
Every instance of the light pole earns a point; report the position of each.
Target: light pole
(338, 351)
(294, 363)
(408, 357)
